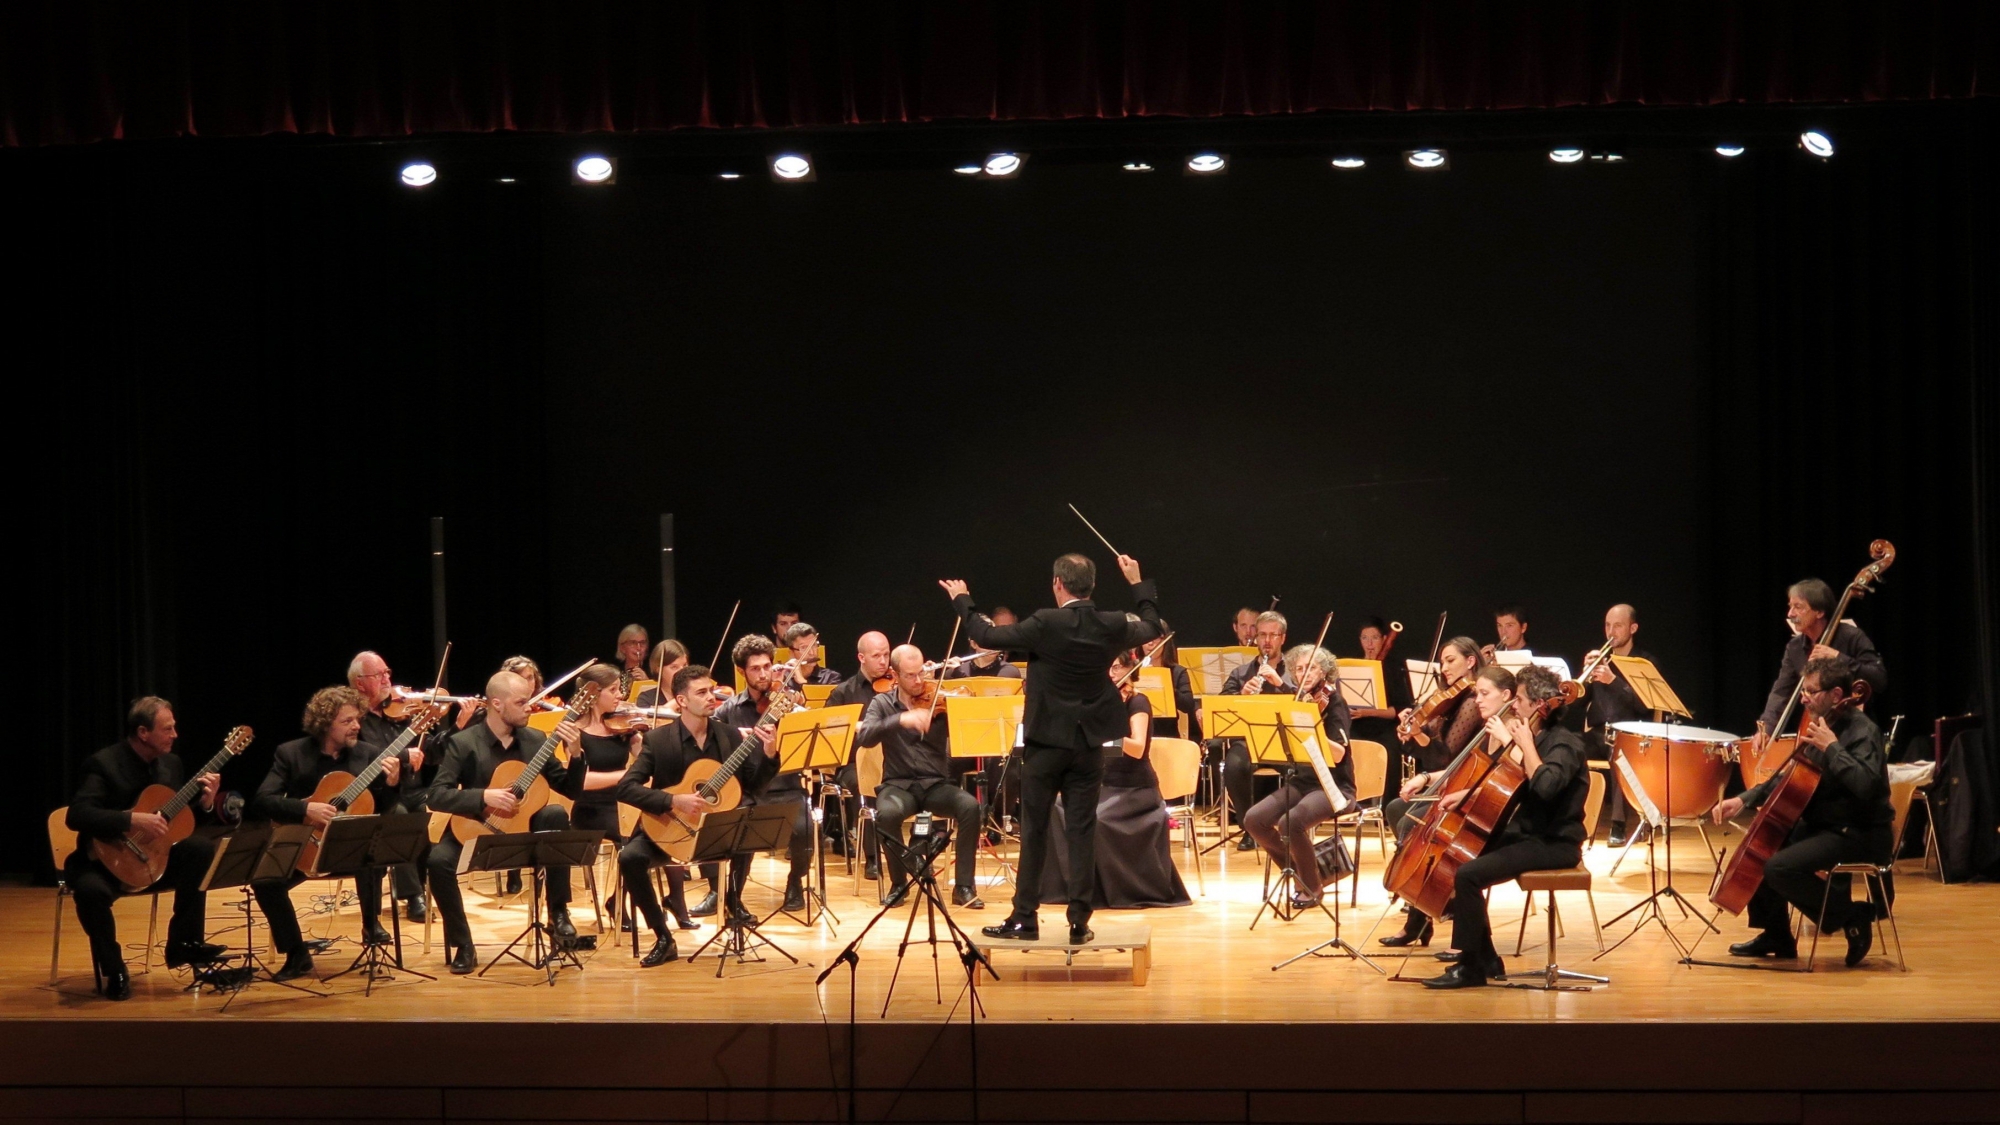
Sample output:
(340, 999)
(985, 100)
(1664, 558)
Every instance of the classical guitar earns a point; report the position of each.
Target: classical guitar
(716, 782)
(138, 865)
(525, 779)
(349, 793)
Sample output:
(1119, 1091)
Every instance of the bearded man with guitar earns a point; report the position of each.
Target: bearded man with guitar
(465, 788)
(103, 814)
(1846, 820)
(661, 784)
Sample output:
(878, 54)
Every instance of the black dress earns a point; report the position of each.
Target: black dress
(1135, 857)
(598, 808)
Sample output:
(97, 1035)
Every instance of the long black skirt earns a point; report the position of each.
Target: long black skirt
(1135, 858)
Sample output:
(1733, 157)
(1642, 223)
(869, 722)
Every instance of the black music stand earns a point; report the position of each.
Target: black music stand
(820, 742)
(1274, 741)
(757, 828)
(538, 851)
(251, 855)
(354, 846)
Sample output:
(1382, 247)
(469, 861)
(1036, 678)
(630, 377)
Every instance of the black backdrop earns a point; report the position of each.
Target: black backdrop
(265, 365)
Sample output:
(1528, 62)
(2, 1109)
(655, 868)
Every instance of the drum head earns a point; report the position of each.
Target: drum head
(1675, 732)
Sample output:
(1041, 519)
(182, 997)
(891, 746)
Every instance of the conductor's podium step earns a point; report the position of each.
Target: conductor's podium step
(1109, 937)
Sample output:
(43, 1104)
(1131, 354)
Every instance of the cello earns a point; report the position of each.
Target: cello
(1424, 869)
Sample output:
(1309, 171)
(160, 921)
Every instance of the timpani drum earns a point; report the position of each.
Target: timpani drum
(1696, 760)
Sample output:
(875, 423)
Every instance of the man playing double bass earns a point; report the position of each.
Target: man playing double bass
(1847, 820)
(1072, 710)
(1809, 604)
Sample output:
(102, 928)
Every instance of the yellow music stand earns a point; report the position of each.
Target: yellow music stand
(816, 694)
(1209, 667)
(982, 687)
(985, 726)
(1157, 685)
(820, 739)
(1361, 683)
(1650, 686)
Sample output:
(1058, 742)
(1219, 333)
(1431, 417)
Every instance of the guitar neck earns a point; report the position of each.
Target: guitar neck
(367, 777)
(730, 765)
(185, 795)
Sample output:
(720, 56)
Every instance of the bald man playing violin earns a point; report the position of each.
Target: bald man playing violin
(916, 773)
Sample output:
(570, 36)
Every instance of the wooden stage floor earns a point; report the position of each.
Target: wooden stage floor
(1658, 1028)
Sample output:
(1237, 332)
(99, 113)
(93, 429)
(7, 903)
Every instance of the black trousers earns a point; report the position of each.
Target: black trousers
(802, 831)
(408, 877)
(1267, 824)
(1239, 775)
(896, 802)
(94, 890)
(1617, 810)
(450, 904)
(274, 898)
(636, 861)
(1793, 876)
(1471, 931)
(1403, 818)
(1076, 776)
(850, 783)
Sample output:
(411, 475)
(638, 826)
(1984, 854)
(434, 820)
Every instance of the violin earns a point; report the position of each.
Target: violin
(934, 697)
(1434, 705)
(627, 718)
(882, 683)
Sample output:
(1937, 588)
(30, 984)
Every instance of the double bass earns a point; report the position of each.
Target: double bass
(1423, 871)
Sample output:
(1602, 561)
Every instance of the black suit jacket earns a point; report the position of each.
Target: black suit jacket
(473, 754)
(296, 768)
(1071, 701)
(665, 755)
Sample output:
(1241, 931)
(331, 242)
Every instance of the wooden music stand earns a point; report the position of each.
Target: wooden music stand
(821, 741)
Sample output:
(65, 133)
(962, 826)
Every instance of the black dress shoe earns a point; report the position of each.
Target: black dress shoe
(1421, 937)
(563, 928)
(625, 924)
(1015, 929)
(1304, 902)
(1448, 956)
(298, 963)
(416, 910)
(1860, 938)
(463, 961)
(374, 933)
(183, 953)
(114, 982)
(1767, 944)
(1246, 843)
(662, 952)
(795, 897)
(968, 898)
(705, 906)
(513, 882)
(741, 915)
(1458, 976)
(686, 923)
(897, 896)
(873, 871)
(1079, 933)
(1618, 835)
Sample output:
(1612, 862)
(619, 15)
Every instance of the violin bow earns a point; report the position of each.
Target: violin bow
(1437, 644)
(567, 677)
(1143, 661)
(1300, 695)
(937, 695)
(726, 627)
(438, 687)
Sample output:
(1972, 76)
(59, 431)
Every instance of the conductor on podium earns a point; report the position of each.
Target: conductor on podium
(1072, 709)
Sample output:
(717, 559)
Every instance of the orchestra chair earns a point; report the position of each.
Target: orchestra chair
(62, 844)
(1371, 780)
(867, 778)
(1177, 761)
(1877, 876)
(1564, 879)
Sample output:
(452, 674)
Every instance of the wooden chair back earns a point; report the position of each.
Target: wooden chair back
(1592, 804)
(1371, 768)
(1900, 793)
(1177, 761)
(868, 769)
(62, 838)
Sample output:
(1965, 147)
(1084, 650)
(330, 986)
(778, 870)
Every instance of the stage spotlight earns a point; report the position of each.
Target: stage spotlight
(1207, 163)
(1605, 158)
(1817, 143)
(729, 175)
(968, 169)
(1729, 149)
(595, 170)
(1348, 162)
(793, 168)
(1565, 155)
(1004, 165)
(1427, 158)
(1137, 166)
(419, 174)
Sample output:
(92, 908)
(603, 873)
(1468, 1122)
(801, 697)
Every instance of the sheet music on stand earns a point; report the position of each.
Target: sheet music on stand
(1424, 677)
(984, 686)
(1210, 667)
(1157, 685)
(1361, 683)
(1651, 687)
(817, 739)
(986, 726)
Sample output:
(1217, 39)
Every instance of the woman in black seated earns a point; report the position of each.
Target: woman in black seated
(1449, 733)
(606, 757)
(1135, 859)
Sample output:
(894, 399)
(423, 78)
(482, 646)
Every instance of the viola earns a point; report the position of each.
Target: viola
(1434, 705)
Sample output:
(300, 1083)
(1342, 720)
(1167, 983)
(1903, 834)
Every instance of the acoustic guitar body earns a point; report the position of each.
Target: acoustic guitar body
(137, 866)
(675, 834)
(328, 788)
(533, 800)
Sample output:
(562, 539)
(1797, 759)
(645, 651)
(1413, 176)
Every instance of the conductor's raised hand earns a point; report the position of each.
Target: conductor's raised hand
(1129, 567)
(953, 588)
